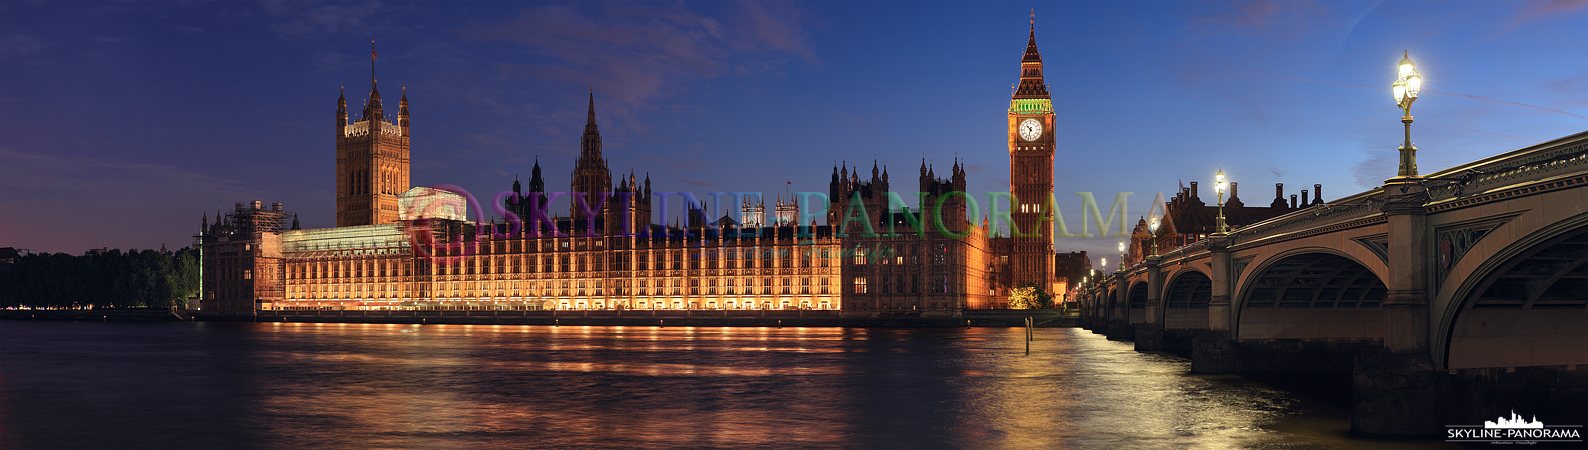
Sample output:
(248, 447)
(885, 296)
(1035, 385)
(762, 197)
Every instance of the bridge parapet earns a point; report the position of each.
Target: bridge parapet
(1360, 206)
(1564, 156)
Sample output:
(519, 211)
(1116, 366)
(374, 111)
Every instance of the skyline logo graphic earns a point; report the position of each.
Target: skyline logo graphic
(1514, 430)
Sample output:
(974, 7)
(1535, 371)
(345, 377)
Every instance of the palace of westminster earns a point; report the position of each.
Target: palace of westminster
(393, 249)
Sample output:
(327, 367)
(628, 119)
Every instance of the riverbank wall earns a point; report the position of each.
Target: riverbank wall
(706, 318)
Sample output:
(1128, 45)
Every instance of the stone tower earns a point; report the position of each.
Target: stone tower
(591, 179)
(371, 160)
(1031, 172)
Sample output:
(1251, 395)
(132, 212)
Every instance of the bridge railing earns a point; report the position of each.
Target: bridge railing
(1536, 162)
(1361, 205)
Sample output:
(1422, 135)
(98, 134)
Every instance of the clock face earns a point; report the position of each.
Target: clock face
(1030, 129)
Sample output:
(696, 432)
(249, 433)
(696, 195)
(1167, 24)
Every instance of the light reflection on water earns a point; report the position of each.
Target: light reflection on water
(296, 385)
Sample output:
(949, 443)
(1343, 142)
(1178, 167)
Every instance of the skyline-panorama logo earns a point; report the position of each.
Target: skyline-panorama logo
(1513, 430)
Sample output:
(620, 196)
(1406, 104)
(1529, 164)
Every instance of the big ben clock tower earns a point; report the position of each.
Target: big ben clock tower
(1031, 172)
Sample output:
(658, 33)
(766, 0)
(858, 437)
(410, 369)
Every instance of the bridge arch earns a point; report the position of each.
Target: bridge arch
(1526, 305)
(1310, 293)
(1138, 302)
(1185, 300)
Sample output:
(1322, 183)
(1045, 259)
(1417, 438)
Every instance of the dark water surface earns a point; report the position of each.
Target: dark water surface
(295, 386)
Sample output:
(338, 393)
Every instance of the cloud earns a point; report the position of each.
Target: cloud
(1379, 166)
(307, 19)
(635, 52)
(1473, 97)
(695, 182)
(1539, 9)
(329, 61)
(1505, 102)
(1283, 18)
(74, 178)
(20, 45)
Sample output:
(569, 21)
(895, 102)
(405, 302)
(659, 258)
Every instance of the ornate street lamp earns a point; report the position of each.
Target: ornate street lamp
(1218, 187)
(1105, 262)
(1152, 228)
(1406, 87)
(1121, 254)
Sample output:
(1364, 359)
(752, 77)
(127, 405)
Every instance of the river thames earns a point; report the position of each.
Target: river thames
(301, 385)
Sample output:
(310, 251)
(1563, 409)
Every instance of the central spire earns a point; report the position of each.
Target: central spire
(1031, 80)
(592, 135)
(590, 174)
(590, 118)
(1031, 42)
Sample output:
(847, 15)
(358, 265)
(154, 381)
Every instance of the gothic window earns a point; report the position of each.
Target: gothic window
(860, 285)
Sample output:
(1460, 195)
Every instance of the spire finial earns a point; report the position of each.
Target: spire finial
(372, 57)
(591, 119)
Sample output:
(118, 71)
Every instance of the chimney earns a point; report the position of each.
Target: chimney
(1193, 189)
(1304, 201)
(275, 206)
(1234, 191)
(1293, 201)
(1317, 193)
(258, 205)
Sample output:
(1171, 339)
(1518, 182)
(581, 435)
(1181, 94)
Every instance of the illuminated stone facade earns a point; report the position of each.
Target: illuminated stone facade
(378, 267)
(371, 162)
(1031, 146)
(873, 257)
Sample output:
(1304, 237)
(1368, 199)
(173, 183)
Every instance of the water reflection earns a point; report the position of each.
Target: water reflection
(303, 385)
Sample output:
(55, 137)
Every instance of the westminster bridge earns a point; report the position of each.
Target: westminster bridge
(1451, 298)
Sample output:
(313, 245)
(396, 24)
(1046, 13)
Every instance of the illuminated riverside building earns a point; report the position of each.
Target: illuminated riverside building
(402, 248)
(432, 258)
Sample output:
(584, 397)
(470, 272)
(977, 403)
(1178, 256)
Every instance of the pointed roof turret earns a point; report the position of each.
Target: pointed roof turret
(1032, 55)
(536, 183)
(402, 107)
(1031, 82)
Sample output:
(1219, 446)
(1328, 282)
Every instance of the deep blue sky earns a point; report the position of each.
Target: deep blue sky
(122, 122)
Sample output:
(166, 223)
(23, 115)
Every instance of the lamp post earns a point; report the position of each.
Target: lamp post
(1152, 229)
(1122, 254)
(1105, 264)
(1218, 187)
(1405, 88)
